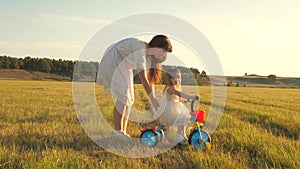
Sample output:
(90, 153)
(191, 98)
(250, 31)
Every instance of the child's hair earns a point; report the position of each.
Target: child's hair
(163, 42)
(171, 74)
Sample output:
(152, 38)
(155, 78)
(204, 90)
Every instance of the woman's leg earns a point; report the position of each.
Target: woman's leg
(125, 118)
(119, 111)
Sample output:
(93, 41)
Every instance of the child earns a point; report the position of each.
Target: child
(175, 113)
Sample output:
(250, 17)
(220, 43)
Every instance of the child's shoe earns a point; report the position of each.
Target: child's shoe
(181, 139)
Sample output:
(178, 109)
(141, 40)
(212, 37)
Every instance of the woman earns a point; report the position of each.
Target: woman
(116, 73)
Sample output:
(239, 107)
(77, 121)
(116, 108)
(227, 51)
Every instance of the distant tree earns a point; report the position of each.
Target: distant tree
(45, 65)
(203, 74)
(21, 63)
(27, 63)
(272, 77)
(64, 68)
(14, 63)
(71, 68)
(246, 74)
(96, 65)
(77, 71)
(56, 66)
(5, 62)
(35, 64)
(230, 83)
(76, 76)
(88, 70)
(195, 72)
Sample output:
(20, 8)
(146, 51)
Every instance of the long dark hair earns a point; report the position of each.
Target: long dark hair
(163, 42)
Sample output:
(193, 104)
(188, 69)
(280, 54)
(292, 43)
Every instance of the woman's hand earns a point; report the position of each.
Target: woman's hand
(154, 103)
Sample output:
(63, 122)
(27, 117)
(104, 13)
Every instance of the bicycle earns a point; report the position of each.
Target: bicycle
(196, 137)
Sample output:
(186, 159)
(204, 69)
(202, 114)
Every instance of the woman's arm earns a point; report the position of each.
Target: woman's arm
(149, 88)
(180, 94)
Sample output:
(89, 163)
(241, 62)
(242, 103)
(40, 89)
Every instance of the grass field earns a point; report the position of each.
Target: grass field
(260, 128)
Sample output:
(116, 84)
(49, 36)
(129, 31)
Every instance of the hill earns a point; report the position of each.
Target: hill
(250, 81)
(30, 75)
(263, 81)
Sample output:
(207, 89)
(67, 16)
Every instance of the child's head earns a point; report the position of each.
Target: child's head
(173, 77)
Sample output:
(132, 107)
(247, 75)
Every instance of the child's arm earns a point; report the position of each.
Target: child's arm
(180, 94)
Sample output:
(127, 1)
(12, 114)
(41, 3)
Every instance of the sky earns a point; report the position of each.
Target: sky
(249, 36)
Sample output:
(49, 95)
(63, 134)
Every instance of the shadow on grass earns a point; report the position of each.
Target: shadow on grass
(39, 142)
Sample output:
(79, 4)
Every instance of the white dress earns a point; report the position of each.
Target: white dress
(115, 70)
(173, 112)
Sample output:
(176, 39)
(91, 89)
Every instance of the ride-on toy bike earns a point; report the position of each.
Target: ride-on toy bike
(197, 136)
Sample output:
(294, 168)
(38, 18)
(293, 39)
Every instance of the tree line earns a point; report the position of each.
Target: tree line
(60, 67)
(80, 70)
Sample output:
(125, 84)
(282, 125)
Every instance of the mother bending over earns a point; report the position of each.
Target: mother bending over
(116, 73)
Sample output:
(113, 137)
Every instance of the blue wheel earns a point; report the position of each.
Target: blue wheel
(149, 138)
(199, 139)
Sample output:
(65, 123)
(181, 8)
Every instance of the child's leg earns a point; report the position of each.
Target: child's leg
(180, 135)
(180, 130)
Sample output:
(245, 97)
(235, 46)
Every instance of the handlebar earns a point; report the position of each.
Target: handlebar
(192, 102)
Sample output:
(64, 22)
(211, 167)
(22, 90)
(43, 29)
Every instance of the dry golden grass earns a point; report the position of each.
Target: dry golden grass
(39, 129)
